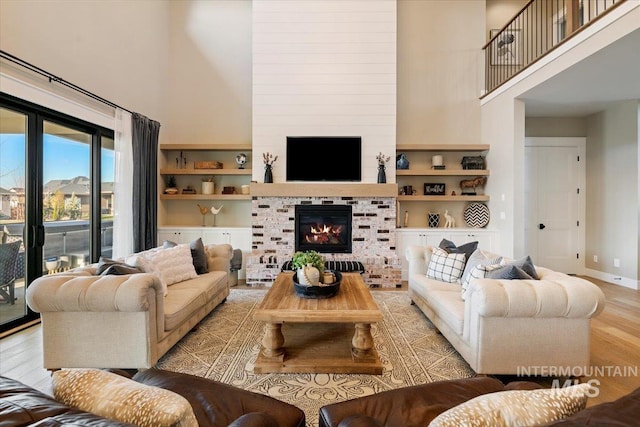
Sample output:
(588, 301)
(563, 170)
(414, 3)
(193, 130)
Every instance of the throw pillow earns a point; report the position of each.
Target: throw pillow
(122, 399)
(168, 244)
(508, 272)
(478, 272)
(445, 267)
(516, 408)
(119, 270)
(173, 264)
(526, 264)
(477, 258)
(467, 249)
(199, 256)
(111, 266)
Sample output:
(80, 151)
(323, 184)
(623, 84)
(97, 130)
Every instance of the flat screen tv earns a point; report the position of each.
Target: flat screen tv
(324, 158)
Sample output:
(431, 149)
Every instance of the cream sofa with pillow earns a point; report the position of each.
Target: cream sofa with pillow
(504, 326)
(117, 320)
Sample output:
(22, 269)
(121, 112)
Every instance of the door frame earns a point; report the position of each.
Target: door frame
(580, 144)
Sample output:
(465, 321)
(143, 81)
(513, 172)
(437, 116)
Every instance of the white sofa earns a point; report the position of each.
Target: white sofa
(122, 321)
(505, 326)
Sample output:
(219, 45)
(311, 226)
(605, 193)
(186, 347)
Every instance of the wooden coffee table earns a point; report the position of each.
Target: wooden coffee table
(317, 335)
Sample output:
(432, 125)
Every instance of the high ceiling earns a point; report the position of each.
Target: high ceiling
(610, 75)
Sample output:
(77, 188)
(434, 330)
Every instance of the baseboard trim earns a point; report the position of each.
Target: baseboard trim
(612, 278)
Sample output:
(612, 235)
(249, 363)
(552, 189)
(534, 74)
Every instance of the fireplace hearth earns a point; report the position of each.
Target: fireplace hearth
(323, 228)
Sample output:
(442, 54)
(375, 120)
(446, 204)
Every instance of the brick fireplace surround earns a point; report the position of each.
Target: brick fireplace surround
(373, 236)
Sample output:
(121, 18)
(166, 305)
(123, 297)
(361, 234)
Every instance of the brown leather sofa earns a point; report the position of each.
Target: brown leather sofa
(214, 404)
(418, 405)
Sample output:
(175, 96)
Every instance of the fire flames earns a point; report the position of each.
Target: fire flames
(324, 234)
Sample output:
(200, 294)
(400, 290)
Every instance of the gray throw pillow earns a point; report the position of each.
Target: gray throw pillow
(467, 249)
(526, 264)
(199, 256)
(120, 269)
(508, 272)
(168, 244)
(110, 266)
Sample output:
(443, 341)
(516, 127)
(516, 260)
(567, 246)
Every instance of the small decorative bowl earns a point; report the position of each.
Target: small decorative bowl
(318, 292)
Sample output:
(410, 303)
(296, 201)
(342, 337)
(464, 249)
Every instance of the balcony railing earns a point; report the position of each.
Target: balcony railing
(539, 27)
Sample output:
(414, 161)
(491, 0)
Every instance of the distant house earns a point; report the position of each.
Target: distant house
(5, 204)
(80, 187)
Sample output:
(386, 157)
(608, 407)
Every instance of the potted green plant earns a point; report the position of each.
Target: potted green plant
(309, 266)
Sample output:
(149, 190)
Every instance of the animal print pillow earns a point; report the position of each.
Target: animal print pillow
(121, 399)
(516, 408)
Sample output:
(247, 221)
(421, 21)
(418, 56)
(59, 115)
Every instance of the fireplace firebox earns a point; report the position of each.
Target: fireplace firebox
(323, 228)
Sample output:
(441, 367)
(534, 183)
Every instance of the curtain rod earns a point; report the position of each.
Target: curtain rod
(54, 78)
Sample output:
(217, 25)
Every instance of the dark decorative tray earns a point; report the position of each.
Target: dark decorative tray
(317, 292)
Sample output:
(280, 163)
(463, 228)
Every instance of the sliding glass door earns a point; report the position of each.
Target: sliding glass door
(13, 143)
(66, 197)
(56, 186)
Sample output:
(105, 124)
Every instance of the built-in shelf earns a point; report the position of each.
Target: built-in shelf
(207, 147)
(205, 197)
(205, 171)
(442, 147)
(479, 198)
(323, 190)
(443, 172)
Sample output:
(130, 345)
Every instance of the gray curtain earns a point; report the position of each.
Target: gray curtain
(145, 181)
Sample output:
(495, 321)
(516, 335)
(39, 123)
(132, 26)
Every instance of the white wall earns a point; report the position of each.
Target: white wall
(555, 126)
(499, 12)
(440, 68)
(613, 186)
(116, 49)
(209, 88)
(503, 121)
(325, 68)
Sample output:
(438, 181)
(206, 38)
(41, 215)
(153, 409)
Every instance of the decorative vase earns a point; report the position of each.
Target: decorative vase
(268, 174)
(382, 175)
(401, 161)
(208, 187)
(308, 275)
(433, 219)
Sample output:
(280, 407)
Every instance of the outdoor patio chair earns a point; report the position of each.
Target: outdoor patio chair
(8, 270)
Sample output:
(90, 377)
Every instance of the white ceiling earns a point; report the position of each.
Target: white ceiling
(610, 75)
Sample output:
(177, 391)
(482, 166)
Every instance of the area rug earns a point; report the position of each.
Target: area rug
(226, 343)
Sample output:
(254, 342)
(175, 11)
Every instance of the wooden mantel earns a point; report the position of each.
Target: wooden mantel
(323, 190)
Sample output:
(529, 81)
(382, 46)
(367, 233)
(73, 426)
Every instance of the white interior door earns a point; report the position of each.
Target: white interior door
(555, 203)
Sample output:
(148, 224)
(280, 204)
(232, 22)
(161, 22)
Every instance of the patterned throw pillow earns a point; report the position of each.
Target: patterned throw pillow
(445, 267)
(516, 408)
(172, 264)
(477, 258)
(480, 271)
(121, 399)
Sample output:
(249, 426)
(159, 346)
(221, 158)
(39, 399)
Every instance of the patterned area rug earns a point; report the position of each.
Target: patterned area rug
(226, 343)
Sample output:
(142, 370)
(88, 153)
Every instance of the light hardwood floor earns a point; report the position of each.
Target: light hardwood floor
(615, 349)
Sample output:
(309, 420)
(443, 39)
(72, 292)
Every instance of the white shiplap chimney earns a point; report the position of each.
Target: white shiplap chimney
(324, 68)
